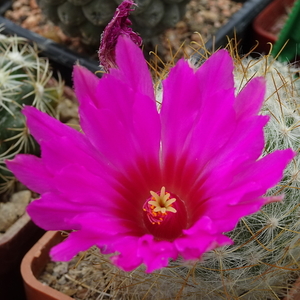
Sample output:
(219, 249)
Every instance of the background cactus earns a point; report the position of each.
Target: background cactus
(265, 258)
(87, 18)
(25, 79)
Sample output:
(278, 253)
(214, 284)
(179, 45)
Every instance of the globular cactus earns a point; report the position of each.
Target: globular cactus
(87, 18)
(264, 260)
(25, 79)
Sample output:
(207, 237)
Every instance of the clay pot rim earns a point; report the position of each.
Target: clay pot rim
(33, 257)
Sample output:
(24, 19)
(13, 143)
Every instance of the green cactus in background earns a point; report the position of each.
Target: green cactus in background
(87, 18)
(25, 79)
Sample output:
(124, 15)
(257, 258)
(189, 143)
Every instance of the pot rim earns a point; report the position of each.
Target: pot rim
(33, 264)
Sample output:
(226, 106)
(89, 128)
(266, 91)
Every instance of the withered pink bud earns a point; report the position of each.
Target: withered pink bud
(119, 25)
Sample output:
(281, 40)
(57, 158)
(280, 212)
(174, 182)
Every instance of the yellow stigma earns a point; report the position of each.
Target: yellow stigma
(162, 203)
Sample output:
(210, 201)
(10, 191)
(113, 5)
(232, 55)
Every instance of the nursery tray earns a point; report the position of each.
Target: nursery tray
(239, 25)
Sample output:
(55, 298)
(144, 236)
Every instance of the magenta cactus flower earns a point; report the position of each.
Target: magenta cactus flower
(151, 184)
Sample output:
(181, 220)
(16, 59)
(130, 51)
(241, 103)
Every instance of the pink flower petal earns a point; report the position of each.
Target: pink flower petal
(228, 207)
(132, 68)
(37, 177)
(134, 251)
(104, 125)
(75, 243)
(196, 101)
(127, 259)
(243, 196)
(54, 212)
(82, 186)
(181, 101)
(211, 129)
(216, 74)
(267, 171)
(246, 143)
(56, 158)
(201, 237)
(249, 101)
(44, 127)
(130, 125)
(94, 230)
(49, 132)
(155, 254)
(85, 85)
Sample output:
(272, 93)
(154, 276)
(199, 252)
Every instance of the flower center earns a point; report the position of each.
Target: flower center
(165, 215)
(158, 206)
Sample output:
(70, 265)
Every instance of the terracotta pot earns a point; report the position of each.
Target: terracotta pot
(268, 23)
(34, 263)
(14, 244)
(37, 258)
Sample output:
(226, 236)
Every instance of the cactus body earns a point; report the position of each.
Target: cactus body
(87, 18)
(25, 79)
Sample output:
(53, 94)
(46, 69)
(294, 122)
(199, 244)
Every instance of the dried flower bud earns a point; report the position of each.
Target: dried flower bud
(119, 25)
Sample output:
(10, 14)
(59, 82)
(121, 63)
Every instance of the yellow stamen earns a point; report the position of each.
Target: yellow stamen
(162, 203)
